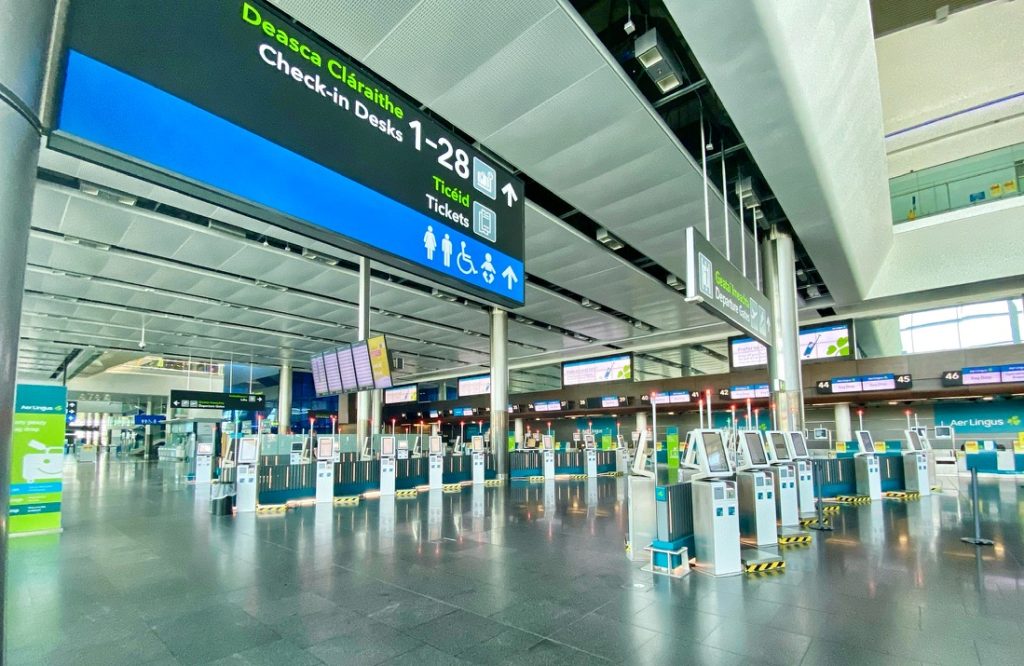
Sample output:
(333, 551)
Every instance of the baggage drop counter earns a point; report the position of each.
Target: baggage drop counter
(529, 462)
(837, 476)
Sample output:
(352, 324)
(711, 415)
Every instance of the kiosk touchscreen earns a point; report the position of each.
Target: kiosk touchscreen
(403, 449)
(868, 474)
(784, 476)
(804, 471)
(435, 448)
(367, 449)
(640, 460)
(204, 463)
(779, 447)
(621, 455)
(756, 496)
(296, 453)
(753, 450)
(716, 526)
(915, 463)
(245, 475)
(479, 460)
(324, 469)
(387, 465)
(324, 448)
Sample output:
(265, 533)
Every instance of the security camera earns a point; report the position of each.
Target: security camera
(142, 344)
(629, 27)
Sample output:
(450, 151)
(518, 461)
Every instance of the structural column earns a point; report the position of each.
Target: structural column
(364, 399)
(499, 390)
(641, 421)
(520, 432)
(784, 354)
(844, 433)
(376, 411)
(284, 399)
(24, 38)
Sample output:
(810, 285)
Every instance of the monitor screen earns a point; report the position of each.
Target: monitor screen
(799, 445)
(346, 368)
(778, 441)
(324, 448)
(714, 450)
(589, 440)
(380, 361)
(403, 445)
(319, 375)
(364, 371)
(296, 447)
(546, 440)
(435, 445)
(247, 450)
(914, 440)
(387, 447)
(332, 374)
(478, 443)
(943, 432)
(821, 433)
(867, 445)
(755, 448)
(204, 449)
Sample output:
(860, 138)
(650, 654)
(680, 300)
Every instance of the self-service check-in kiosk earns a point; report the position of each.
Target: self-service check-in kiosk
(804, 472)
(436, 461)
(621, 456)
(402, 452)
(204, 463)
(324, 469)
(716, 521)
(549, 456)
(367, 453)
(915, 464)
(865, 466)
(479, 460)
(245, 475)
(590, 455)
(783, 471)
(756, 492)
(457, 448)
(387, 465)
(417, 449)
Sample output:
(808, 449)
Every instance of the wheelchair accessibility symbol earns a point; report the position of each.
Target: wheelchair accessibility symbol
(465, 262)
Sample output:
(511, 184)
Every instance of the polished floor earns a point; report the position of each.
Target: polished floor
(143, 574)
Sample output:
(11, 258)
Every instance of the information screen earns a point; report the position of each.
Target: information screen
(1012, 374)
(610, 401)
(387, 447)
(778, 441)
(332, 373)
(799, 445)
(319, 375)
(867, 445)
(347, 368)
(816, 342)
(592, 371)
(943, 432)
(914, 440)
(434, 443)
(879, 383)
(714, 449)
(380, 361)
(276, 123)
(247, 449)
(401, 394)
(476, 385)
(364, 371)
(755, 448)
(672, 397)
(547, 406)
(752, 391)
(985, 375)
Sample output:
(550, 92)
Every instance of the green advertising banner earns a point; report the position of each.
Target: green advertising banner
(37, 458)
(606, 442)
(672, 441)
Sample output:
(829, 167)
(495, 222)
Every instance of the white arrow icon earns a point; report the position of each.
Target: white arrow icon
(510, 275)
(510, 194)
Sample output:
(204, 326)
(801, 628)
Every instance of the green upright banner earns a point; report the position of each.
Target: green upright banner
(37, 458)
(672, 440)
(606, 442)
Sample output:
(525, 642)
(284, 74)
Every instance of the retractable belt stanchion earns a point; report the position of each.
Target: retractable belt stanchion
(976, 539)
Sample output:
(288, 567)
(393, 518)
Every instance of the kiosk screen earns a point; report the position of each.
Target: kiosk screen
(435, 445)
(943, 432)
(755, 448)
(247, 450)
(778, 441)
(914, 440)
(867, 445)
(714, 449)
(799, 445)
(324, 447)
(820, 433)
(204, 449)
(296, 447)
(590, 443)
(478, 443)
(387, 447)
(546, 441)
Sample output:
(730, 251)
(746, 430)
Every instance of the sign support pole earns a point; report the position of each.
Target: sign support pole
(364, 401)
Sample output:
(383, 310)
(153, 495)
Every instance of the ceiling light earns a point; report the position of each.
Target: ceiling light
(605, 238)
(639, 325)
(587, 303)
(659, 61)
(674, 282)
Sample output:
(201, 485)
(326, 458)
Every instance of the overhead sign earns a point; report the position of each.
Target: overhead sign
(37, 458)
(149, 419)
(865, 384)
(752, 391)
(361, 361)
(595, 370)
(669, 397)
(719, 287)
(816, 342)
(476, 385)
(1003, 416)
(548, 406)
(992, 374)
(275, 122)
(252, 402)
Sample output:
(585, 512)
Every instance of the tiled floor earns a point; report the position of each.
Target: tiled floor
(144, 574)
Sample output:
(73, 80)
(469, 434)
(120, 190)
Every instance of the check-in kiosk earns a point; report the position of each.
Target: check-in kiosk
(403, 450)
(800, 455)
(915, 463)
(367, 453)
(865, 465)
(549, 456)
(417, 448)
(756, 492)
(436, 461)
(640, 460)
(621, 456)
(783, 471)
(204, 463)
(324, 469)
(716, 524)
(297, 456)
(479, 460)
(590, 454)
(457, 448)
(245, 475)
(387, 465)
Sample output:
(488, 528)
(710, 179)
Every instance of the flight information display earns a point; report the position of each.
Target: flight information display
(400, 394)
(332, 373)
(672, 397)
(547, 406)
(364, 370)
(992, 374)
(816, 342)
(319, 375)
(865, 384)
(380, 361)
(594, 370)
(348, 368)
(751, 391)
(476, 385)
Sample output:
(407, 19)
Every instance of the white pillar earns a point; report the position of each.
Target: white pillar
(844, 433)
(364, 401)
(784, 354)
(499, 391)
(284, 399)
(520, 434)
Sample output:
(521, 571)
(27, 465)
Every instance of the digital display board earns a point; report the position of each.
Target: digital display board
(276, 123)
(477, 385)
(463, 411)
(347, 368)
(751, 391)
(816, 342)
(865, 384)
(547, 406)
(361, 361)
(400, 394)
(380, 361)
(993, 374)
(592, 371)
(319, 375)
(611, 401)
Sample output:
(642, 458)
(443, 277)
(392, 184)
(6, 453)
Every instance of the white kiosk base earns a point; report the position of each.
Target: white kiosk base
(916, 473)
(805, 487)
(324, 481)
(479, 468)
(387, 476)
(868, 476)
(786, 501)
(591, 463)
(245, 488)
(436, 471)
(622, 460)
(204, 469)
(716, 527)
(549, 464)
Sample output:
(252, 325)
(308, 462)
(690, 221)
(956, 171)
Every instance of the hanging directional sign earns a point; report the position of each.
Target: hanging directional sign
(719, 287)
(233, 102)
(252, 402)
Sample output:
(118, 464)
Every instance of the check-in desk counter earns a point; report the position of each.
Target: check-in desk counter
(530, 462)
(835, 472)
(985, 457)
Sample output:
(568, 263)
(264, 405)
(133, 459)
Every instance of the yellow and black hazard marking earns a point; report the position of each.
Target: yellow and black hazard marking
(907, 496)
(792, 539)
(271, 508)
(610, 474)
(452, 487)
(492, 483)
(830, 508)
(536, 479)
(406, 493)
(853, 499)
(347, 500)
(813, 522)
(578, 477)
(765, 566)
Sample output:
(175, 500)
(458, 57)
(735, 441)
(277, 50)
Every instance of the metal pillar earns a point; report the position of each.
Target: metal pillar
(376, 411)
(844, 433)
(364, 401)
(284, 399)
(520, 432)
(499, 390)
(784, 354)
(24, 40)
